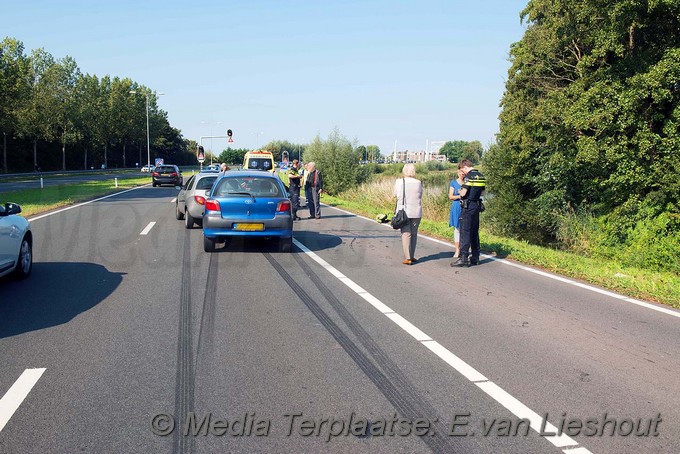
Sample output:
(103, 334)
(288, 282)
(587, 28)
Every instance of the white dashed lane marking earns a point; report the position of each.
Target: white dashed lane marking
(13, 398)
(148, 228)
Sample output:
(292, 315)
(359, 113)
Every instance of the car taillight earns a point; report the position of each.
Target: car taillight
(156, 174)
(200, 200)
(173, 174)
(283, 205)
(212, 205)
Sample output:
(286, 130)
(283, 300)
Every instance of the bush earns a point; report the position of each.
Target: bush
(337, 161)
(651, 243)
(654, 243)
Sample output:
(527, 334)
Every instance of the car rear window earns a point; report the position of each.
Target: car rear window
(206, 182)
(165, 169)
(244, 186)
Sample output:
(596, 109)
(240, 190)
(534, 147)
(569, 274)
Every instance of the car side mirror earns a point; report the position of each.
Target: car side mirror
(12, 208)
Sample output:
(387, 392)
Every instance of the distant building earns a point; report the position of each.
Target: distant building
(418, 156)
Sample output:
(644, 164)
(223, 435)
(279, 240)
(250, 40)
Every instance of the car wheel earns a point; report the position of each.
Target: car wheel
(188, 220)
(25, 260)
(208, 244)
(178, 214)
(153, 184)
(285, 244)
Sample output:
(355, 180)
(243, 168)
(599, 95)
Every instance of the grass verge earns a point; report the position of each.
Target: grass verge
(34, 201)
(662, 287)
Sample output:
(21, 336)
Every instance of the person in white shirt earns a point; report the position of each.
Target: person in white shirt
(409, 193)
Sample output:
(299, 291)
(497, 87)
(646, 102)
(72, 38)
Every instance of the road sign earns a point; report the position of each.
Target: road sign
(159, 162)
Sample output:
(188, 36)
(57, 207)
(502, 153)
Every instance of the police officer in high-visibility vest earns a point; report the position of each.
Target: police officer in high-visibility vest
(474, 184)
(294, 179)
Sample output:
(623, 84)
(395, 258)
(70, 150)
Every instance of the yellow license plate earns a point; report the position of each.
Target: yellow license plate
(249, 227)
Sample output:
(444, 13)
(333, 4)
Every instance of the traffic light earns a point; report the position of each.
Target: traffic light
(200, 154)
(229, 133)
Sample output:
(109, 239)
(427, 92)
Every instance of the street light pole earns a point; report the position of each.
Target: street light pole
(258, 134)
(148, 140)
(298, 147)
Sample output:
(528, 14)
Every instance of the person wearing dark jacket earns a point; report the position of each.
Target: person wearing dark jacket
(471, 203)
(313, 189)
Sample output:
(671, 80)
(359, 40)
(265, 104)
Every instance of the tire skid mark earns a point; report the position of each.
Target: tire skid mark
(184, 382)
(204, 349)
(386, 364)
(391, 383)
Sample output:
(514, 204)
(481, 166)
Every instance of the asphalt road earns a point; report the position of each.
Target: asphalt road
(251, 350)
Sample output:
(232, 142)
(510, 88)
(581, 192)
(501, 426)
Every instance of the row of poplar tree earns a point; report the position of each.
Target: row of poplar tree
(54, 117)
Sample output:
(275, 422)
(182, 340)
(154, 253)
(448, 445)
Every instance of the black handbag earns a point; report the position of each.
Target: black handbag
(400, 219)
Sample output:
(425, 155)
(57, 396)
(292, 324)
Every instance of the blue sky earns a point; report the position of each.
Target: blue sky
(380, 71)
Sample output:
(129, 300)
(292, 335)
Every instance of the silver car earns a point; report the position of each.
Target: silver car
(16, 242)
(190, 204)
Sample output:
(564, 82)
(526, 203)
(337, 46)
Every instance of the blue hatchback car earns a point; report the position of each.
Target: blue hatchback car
(248, 203)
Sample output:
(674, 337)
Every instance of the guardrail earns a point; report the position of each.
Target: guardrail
(68, 172)
(85, 172)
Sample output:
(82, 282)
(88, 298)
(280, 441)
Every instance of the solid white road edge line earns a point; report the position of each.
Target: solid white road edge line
(555, 277)
(494, 391)
(148, 228)
(81, 204)
(15, 395)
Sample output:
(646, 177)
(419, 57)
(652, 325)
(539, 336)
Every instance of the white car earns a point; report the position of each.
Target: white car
(147, 168)
(16, 242)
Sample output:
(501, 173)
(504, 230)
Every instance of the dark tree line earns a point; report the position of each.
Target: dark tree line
(54, 117)
(588, 151)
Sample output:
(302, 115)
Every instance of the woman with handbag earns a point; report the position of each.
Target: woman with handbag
(409, 193)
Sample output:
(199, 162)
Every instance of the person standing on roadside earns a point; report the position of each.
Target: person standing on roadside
(474, 184)
(305, 184)
(409, 193)
(294, 178)
(454, 216)
(313, 189)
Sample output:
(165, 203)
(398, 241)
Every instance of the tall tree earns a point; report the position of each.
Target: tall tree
(14, 88)
(373, 152)
(56, 91)
(33, 115)
(472, 151)
(123, 115)
(590, 117)
(453, 150)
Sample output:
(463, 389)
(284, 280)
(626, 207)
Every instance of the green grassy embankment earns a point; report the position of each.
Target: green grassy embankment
(34, 201)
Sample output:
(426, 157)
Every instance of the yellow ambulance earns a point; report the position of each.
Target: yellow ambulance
(258, 160)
